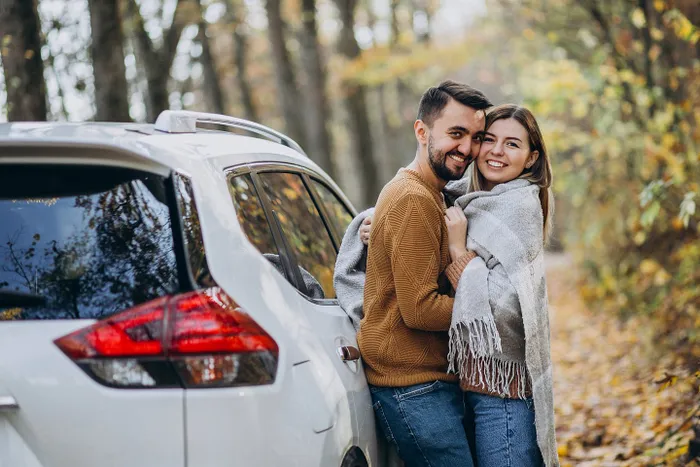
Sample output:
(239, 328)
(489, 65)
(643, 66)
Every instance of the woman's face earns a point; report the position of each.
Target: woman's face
(505, 152)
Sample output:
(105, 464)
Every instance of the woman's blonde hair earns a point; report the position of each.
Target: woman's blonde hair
(540, 173)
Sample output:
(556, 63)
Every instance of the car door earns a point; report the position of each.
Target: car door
(338, 215)
(296, 416)
(309, 217)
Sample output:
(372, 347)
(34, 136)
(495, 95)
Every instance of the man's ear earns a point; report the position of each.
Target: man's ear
(532, 158)
(421, 130)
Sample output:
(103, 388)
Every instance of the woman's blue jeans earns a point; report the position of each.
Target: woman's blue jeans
(505, 433)
(425, 423)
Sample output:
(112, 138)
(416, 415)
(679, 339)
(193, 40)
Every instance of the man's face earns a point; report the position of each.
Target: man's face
(453, 141)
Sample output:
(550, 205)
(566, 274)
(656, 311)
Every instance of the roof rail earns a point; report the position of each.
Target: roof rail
(185, 121)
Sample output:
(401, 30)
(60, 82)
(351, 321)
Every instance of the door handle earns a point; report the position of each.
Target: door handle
(8, 403)
(348, 353)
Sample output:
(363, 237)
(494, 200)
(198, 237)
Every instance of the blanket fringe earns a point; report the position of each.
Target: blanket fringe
(479, 337)
(473, 355)
(495, 375)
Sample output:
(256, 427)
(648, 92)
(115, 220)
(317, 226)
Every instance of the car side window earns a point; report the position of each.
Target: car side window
(337, 212)
(251, 215)
(304, 229)
(194, 243)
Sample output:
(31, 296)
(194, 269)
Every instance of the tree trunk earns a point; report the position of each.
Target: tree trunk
(157, 62)
(111, 91)
(354, 96)
(212, 87)
(317, 110)
(286, 80)
(21, 60)
(240, 40)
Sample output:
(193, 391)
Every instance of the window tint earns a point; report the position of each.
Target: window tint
(303, 228)
(192, 229)
(336, 210)
(91, 241)
(251, 214)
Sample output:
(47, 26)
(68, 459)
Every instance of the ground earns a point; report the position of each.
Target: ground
(619, 399)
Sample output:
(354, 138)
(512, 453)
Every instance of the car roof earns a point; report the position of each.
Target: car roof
(177, 151)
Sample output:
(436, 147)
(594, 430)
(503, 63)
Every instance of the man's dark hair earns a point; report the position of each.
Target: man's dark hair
(435, 100)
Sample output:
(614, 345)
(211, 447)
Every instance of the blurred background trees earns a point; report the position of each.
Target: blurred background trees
(614, 83)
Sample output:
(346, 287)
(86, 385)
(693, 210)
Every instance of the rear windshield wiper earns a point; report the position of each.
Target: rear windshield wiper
(13, 298)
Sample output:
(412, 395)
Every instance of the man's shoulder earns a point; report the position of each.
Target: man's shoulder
(403, 188)
(400, 197)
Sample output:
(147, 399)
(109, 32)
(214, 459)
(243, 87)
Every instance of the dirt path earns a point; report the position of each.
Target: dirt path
(611, 408)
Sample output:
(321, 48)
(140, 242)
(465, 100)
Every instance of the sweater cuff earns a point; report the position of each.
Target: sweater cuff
(454, 270)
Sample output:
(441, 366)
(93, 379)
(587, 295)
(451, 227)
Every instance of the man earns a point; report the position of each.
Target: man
(407, 304)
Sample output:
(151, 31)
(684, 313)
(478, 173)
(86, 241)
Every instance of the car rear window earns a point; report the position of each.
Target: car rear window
(91, 241)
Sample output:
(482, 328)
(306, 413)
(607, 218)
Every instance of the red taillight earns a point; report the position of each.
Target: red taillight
(213, 323)
(197, 339)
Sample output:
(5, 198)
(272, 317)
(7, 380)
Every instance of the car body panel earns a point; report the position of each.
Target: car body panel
(65, 418)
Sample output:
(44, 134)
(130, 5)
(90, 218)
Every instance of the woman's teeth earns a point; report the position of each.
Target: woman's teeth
(495, 164)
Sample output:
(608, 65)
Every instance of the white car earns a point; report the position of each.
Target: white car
(166, 299)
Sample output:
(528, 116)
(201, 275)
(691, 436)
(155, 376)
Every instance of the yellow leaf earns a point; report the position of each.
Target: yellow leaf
(638, 18)
(648, 266)
(657, 34)
(661, 277)
(10, 314)
(627, 76)
(28, 54)
(659, 5)
(563, 450)
(654, 52)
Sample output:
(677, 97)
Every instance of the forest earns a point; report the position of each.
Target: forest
(614, 84)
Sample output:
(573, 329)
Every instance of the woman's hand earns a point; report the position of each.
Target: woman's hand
(456, 231)
(365, 229)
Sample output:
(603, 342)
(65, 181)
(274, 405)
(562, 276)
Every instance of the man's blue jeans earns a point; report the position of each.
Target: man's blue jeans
(505, 431)
(425, 423)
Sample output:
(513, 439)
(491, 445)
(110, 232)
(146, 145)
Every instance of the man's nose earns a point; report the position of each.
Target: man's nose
(465, 147)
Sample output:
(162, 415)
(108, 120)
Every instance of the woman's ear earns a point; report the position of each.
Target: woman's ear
(532, 158)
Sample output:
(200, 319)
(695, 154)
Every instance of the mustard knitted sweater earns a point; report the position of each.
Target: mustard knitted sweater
(408, 293)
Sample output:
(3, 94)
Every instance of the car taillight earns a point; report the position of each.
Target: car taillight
(193, 340)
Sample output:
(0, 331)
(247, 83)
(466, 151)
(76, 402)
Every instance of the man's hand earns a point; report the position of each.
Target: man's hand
(456, 231)
(365, 228)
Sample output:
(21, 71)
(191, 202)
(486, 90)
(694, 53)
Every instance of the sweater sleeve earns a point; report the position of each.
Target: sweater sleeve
(413, 235)
(455, 269)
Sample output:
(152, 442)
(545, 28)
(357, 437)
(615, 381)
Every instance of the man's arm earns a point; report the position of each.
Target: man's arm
(413, 235)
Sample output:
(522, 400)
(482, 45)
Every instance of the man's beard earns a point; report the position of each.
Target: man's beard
(438, 161)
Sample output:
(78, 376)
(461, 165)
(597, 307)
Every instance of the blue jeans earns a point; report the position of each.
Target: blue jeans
(425, 423)
(505, 433)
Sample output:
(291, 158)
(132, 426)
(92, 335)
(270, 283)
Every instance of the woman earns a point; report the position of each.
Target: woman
(501, 296)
